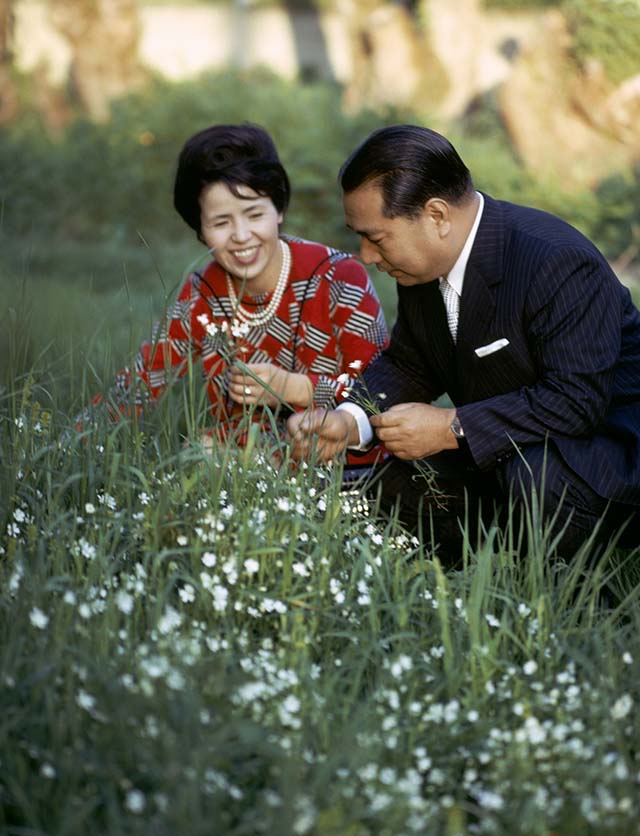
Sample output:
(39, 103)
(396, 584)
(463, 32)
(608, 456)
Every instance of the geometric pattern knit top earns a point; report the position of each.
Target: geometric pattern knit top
(329, 321)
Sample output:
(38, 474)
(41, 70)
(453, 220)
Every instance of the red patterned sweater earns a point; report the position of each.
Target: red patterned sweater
(328, 319)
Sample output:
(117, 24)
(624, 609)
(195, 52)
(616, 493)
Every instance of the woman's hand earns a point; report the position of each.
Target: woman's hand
(323, 433)
(286, 387)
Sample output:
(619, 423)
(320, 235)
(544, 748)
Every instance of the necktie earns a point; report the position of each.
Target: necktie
(452, 304)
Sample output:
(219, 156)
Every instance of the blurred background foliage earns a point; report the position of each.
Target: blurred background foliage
(91, 248)
(605, 30)
(110, 183)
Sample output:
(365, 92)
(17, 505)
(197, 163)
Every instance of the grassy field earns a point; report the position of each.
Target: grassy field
(196, 644)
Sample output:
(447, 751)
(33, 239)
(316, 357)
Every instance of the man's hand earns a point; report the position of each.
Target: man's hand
(415, 430)
(328, 431)
(286, 387)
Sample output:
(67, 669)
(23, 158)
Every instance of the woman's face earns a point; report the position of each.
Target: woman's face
(243, 231)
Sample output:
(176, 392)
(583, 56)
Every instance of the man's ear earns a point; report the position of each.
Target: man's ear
(438, 212)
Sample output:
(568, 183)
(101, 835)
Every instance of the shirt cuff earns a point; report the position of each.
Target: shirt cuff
(365, 430)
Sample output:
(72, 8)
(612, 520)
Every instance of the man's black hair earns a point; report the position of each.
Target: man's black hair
(412, 165)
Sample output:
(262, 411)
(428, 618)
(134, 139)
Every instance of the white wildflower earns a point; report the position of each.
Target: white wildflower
(251, 566)
(336, 591)
(363, 597)
(489, 800)
(237, 330)
(85, 700)
(16, 578)
(402, 663)
(124, 601)
(187, 594)
(38, 619)
(48, 771)
(135, 801)
(220, 595)
(108, 500)
(169, 620)
(532, 731)
(300, 569)
(291, 704)
(621, 707)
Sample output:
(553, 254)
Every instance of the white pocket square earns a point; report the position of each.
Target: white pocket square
(491, 348)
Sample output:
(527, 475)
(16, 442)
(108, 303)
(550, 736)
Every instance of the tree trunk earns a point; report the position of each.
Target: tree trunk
(104, 37)
(312, 55)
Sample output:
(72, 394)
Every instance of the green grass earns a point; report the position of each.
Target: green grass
(205, 644)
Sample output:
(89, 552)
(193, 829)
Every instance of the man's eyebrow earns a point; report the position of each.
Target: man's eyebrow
(366, 232)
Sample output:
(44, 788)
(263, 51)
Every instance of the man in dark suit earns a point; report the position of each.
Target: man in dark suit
(519, 319)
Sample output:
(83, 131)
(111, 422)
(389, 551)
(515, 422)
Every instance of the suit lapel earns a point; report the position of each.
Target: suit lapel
(478, 303)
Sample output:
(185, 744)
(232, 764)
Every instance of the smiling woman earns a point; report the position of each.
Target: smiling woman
(276, 322)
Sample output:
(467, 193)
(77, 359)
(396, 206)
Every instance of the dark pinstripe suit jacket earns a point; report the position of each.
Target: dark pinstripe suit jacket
(571, 371)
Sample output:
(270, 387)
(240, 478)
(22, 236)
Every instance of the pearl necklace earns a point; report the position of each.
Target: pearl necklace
(262, 317)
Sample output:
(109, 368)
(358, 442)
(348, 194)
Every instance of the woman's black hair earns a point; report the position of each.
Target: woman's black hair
(236, 155)
(412, 164)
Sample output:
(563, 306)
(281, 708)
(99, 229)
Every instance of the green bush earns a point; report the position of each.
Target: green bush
(619, 216)
(116, 179)
(609, 31)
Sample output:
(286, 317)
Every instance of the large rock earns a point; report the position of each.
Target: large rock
(392, 63)
(568, 123)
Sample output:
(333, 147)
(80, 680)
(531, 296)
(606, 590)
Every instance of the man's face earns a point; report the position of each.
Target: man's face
(411, 250)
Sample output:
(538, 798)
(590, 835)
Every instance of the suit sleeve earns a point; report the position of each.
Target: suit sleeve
(573, 326)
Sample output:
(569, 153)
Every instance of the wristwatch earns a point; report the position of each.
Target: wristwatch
(456, 428)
